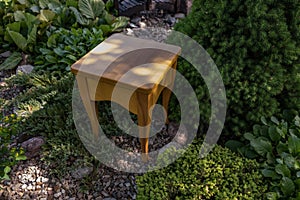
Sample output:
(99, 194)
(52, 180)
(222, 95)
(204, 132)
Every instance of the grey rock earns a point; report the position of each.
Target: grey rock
(5, 54)
(33, 146)
(81, 172)
(26, 69)
(179, 15)
(109, 199)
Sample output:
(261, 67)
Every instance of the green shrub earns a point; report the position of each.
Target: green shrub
(255, 45)
(220, 175)
(277, 147)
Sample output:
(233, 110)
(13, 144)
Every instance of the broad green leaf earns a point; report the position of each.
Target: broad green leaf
(106, 29)
(32, 36)
(79, 18)
(12, 61)
(294, 144)
(13, 27)
(270, 174)
(264, 120)
(261, 146)
(273, 134)
(249, 136)
(18, 39)
(30, 20)
(109, 18)
(283, 170)
(234, 145)
(290, 161)
(298, 174)
(7, 169)
(275, 120)
(91, 8)
(46, 15)
(281, 147)
(119, 23)
(19, 16)
(287, 186)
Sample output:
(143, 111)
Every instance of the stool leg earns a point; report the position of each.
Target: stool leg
(166, 94)
(144, 120)
(90, 105)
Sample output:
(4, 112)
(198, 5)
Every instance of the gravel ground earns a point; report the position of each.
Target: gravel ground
(31, 179)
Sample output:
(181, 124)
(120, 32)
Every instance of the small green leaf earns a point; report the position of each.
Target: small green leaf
(294, 144)
(264, 120)
(287, 186)
(273, 134)
(7, 169)
(275, 120)
(283, 170)
(12, 61)
(46, 15)
(249, 136)
(270, 174)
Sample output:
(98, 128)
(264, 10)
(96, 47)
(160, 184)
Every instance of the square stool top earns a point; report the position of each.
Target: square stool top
(140, 60)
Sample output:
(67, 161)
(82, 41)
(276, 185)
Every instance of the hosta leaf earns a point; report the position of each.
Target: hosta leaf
(119, 23)
(46, 15)
(287, 186)
(12, 27)
(12, 61)
(91, 8)
(283, 170)
(282, 147)
(294, 144)
(234, 145)
(261, 146)
(18, 39)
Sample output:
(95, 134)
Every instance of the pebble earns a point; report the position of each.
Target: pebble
(56, 195)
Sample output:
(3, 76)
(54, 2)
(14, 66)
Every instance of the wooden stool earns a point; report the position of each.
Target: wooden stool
(131, 66)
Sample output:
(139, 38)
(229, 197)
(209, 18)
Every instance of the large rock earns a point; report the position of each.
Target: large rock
(33, 146)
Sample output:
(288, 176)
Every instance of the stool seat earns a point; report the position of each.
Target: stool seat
(130, 71)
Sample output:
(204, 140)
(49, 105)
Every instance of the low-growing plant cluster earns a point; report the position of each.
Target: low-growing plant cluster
(9, 155)
(276, 145)
(37, 27)
(221, 175)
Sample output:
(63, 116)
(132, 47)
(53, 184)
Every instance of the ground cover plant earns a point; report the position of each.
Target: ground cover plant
(220, 175)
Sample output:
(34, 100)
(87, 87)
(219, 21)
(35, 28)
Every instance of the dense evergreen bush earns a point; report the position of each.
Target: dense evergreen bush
(255, 45)
(220, 175)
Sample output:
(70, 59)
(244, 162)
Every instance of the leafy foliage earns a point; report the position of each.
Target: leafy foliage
(8, 155)
(277, 144)
(28, 24)
(220, 175)
(255, 45)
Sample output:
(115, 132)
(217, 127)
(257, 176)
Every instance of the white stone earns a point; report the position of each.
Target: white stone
(26, 69)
